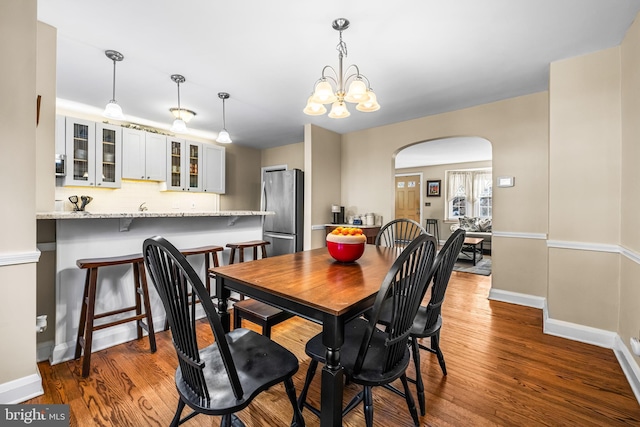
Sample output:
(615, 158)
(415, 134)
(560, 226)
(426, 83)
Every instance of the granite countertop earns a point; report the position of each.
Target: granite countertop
(145, 214)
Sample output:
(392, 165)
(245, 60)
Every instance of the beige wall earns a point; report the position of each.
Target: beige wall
(584, 193)
(45, 132)
(18, 146)
(291, 155)
(242, 179)
(322, 181)
(518, 131)
(629, 322)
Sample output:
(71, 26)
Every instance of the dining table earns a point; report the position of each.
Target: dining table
(314, 286)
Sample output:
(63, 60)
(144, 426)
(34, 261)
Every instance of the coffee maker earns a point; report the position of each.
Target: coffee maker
(338, 214)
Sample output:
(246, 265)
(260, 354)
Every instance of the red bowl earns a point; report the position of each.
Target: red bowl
(345, 252)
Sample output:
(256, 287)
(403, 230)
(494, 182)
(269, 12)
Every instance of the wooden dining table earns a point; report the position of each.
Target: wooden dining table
(312, 285)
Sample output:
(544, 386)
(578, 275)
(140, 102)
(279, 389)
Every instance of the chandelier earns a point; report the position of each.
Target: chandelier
(330, 88)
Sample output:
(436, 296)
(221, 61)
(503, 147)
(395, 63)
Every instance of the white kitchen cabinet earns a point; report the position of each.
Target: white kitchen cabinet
(94, 153)
(213, 168)
(144, 155)
(184, 171)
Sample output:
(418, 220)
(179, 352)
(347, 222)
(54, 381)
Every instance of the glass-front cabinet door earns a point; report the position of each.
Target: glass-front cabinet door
(176, 159)
(94, 153)
(80, 145)
(108, 155)
(194, 181)
(185, 165)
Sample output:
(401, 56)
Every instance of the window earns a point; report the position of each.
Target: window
(469, 193)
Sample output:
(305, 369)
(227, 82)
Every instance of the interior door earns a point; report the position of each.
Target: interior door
(408, 197)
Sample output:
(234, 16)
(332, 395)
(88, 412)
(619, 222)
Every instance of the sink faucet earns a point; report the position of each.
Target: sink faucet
(142, 207)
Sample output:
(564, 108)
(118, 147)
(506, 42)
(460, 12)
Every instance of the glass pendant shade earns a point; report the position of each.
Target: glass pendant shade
(314, 108)
(323, 93)
(339, 110)
(370, 104)
(223, 137)
(113, 111)
(179, 126)
(357, 92)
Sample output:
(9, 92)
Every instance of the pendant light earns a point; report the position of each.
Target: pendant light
(223, 136)
(350, 86)
(179, 126)
(113, 110)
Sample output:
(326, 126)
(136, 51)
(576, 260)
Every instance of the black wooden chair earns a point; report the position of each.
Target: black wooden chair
(399, 233)
(224, 377)
(428, 320)
(372, 357)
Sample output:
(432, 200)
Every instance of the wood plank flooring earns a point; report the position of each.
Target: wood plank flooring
(502, 371)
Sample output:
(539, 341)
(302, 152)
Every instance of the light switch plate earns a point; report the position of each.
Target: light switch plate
(505, 181)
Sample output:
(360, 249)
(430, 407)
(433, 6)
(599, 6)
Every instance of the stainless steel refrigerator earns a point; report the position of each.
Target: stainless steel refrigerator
(283, 193)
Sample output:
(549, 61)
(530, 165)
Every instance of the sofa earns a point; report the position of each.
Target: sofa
(476, 227)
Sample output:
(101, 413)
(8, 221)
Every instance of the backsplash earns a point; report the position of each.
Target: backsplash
(133, 193)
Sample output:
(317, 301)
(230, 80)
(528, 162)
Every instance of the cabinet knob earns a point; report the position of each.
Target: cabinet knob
(142, 177)
(99, 183)
(148, 177)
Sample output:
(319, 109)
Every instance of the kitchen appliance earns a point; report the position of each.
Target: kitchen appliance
(283, 193)
(338, 214)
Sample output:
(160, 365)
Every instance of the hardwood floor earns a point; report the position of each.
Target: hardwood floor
(502, 371)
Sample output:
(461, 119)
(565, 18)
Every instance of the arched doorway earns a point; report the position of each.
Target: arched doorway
(431, 163)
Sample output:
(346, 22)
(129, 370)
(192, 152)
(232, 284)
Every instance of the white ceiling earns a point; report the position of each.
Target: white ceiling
(421, 56)
(444, 151)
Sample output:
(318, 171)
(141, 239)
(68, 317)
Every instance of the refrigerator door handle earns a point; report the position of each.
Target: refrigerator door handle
(279, 236)
(263, 200)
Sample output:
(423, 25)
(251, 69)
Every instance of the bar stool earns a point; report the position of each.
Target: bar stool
(210, 256)
(433, 228)
(88, 315)
(250, 309)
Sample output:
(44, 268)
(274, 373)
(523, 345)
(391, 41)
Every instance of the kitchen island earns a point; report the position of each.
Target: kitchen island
(87, 235)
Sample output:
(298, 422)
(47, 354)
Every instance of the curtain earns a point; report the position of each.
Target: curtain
(482, 185)
(460, 183)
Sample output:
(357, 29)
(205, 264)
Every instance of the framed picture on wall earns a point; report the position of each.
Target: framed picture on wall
(433, 188)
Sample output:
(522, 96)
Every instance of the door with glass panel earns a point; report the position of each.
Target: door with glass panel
(80, 147)
(108, 155)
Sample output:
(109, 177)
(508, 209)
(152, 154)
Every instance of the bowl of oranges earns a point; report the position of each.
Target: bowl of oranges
(346, 244)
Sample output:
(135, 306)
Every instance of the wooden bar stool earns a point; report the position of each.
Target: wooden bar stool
(210, 256)
(252, 310)
(88, 315)
(433, 228)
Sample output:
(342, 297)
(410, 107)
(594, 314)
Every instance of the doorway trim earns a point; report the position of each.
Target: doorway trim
(421, 192)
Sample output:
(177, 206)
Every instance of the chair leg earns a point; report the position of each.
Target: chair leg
(176, 417)
(88, 341)
(368, 406)
(266, 330)
(83, 316)
(435, 345)
(142, 287)
(297, 420)
(313, 365)
(410, 403)
(237, 320)
(419, 384)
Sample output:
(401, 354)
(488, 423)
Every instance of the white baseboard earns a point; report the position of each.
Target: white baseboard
(22, 389)
(43, 350)
(517, 298)
(580, 333)
(102, 339)
(629, 366)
